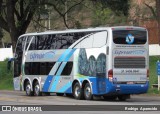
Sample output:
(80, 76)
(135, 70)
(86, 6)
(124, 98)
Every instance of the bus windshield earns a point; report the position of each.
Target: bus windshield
(134, 37)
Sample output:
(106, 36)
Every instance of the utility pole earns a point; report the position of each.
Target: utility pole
(46, 20)
(49, 21)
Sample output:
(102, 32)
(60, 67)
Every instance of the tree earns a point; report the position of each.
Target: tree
(158, 17)
(156, 14)
(117, 6)
(105, 16)
(1, 36)
(63, 7)
(16, 15)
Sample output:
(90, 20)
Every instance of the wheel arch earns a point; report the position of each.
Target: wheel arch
(74, 82)
(34, 81)
(25, 82)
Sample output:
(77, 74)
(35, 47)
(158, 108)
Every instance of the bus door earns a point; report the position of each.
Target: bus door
(18, 63)
(101, 73)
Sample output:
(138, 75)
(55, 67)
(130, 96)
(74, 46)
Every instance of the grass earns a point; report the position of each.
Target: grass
(6, 76)
(153, 79)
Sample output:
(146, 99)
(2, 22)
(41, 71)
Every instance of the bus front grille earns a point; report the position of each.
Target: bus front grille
(127, 62)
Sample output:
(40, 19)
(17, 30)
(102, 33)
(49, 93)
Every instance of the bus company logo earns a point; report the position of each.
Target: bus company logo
(129, 39)
(38, 56)
(124, 52)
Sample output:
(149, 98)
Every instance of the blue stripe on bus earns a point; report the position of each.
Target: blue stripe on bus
(49, 79)
(61, 68)
(63, 56)
(57, 77)
(47, 83)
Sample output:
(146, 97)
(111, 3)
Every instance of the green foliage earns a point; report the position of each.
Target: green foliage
(117, 6)
(153, 79)
(6, 77)
(78, 25)
(105, 16)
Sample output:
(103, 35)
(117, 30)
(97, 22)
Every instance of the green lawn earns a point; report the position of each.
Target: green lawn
(6, 77)
(153, 79)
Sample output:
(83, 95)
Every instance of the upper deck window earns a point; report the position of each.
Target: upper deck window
(130, 37)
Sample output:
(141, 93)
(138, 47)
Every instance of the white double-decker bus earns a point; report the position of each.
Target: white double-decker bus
(111, 62)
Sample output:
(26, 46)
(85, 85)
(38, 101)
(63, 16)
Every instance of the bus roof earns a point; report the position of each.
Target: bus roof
(82, 30)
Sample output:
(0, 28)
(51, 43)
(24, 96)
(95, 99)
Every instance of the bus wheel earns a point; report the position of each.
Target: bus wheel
(59, 94)
(28, 89)
(77, 91)
(123, 97)
(88, 92)
(37, 89)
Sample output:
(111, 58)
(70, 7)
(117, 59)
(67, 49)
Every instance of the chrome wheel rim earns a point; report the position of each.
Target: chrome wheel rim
(88, 91)
(36, 89)
(77, 91)
(28, 89)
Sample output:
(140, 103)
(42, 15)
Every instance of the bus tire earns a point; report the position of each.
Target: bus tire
(88, 92)
(36, 88)
(28, 90)
(77, 91)
(59, 94)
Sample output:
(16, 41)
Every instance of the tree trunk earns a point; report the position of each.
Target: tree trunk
(14, 38)
(1, 45)
(11, 22)
(158, 18)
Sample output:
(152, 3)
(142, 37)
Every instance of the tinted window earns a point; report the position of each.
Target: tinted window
(38, 68)
(129, 37)
(45, 42)
(18, 56)
(67, 69)
(28, 41)
(55, 41)
(33, 45)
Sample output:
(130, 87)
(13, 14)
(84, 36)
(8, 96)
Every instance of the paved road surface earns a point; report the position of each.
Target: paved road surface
(19, 98)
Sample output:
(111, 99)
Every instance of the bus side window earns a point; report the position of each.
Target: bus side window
(28, 41)
(53, 42)
(18, 56)
(67, 69)
(33, 45)
(100, 39)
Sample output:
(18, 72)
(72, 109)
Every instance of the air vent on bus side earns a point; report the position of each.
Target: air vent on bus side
(129, 62)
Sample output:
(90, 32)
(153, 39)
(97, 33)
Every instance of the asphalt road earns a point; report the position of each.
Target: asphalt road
(19, 98)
